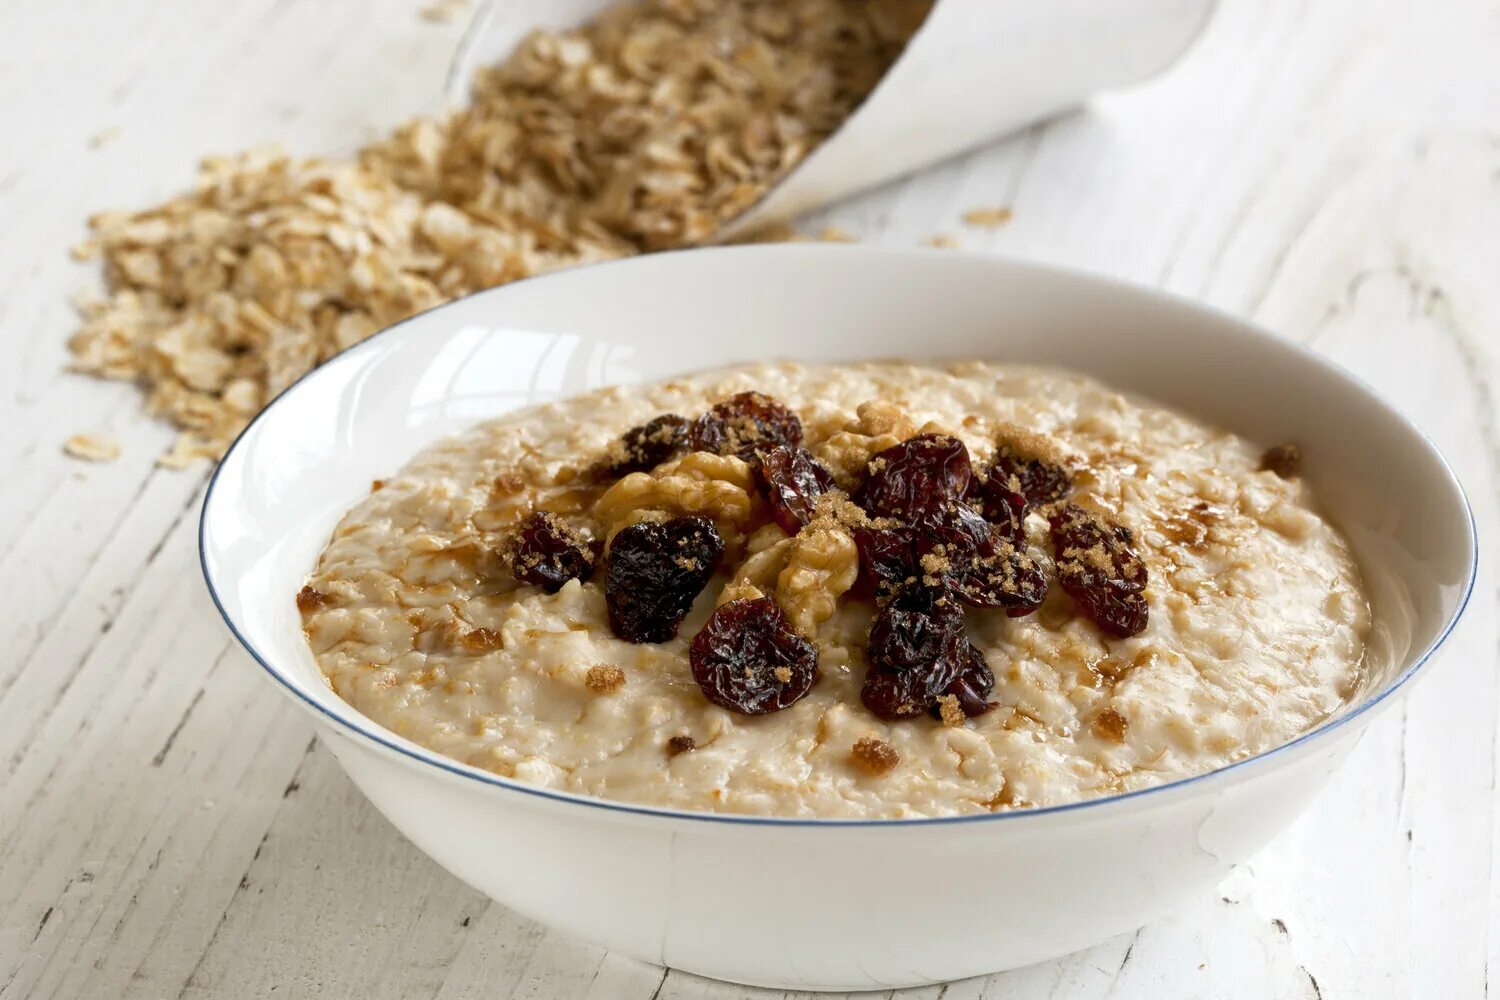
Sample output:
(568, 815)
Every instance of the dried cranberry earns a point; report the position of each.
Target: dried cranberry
(915, 475)
(548, 553)
(1040, 481)
(656, 569)
(745, 424)
(1098, 568)
(973, 684)
(914, 629)
(749, 659)
(643, 448)
(793, 480)
(973, 557)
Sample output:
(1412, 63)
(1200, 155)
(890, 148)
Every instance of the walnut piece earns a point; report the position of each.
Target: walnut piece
(878, 425)
(821, 565)
(720, 487)
(757, 575)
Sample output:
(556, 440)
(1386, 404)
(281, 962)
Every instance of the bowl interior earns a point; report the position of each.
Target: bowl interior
(315, 450)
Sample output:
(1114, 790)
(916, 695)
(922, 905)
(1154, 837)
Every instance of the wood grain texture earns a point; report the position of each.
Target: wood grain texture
(168, 826)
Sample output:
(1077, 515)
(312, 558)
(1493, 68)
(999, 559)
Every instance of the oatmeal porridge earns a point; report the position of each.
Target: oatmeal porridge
(874, 590)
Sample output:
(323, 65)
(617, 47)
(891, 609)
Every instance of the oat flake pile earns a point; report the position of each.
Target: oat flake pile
(640, 131)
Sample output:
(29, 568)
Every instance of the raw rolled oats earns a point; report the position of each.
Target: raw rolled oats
(642, 130)
(92, 447)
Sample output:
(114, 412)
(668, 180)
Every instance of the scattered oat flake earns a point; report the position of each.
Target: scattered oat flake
(644, 129)
(92, 447)
(443, 11)
(833, 234)
(103, 136)
(988, 218)
(942, 240)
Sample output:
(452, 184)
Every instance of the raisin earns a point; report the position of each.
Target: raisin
(914, 652)
(973, 684)
(749, 659)
(1098, 569)
(743, 425)
(680, 744)
(656, 569)
(906, 479)
(793, 480)
(914, 629)
(962, 550)
(643, 448)
(906, 694)
(887, 558)
(1285, 460)
(548, 553)
(1040, 481)
(1001, 504)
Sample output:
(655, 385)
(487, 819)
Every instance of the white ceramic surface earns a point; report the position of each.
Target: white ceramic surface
(808, 904)
(976, 69)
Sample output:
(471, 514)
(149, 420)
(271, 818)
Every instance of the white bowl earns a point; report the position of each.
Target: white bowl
(825, 904)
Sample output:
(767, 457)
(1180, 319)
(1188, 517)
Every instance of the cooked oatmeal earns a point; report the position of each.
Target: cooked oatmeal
(1161, 604)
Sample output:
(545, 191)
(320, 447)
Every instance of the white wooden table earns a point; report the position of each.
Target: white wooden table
(169, 827)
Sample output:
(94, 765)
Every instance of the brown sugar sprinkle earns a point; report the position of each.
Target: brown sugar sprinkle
(1023, 442)
(834, 510)
(1110, 725)
(950, 711)
(603, 678)
(1191, 528)
(874, 756)
(1285, 460)
(482, 640)
(376, 485)
(309, 600)
(680, 744)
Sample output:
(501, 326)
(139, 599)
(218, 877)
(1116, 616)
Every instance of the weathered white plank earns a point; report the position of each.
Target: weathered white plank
(166, 826)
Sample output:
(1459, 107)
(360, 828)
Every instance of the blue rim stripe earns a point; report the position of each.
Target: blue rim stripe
(381, 737)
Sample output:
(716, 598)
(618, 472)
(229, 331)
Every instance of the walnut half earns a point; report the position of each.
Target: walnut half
(720, 487)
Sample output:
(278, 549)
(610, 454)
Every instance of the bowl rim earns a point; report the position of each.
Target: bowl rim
(417, 756)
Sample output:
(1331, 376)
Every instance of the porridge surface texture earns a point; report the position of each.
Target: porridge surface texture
(1256, 630)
